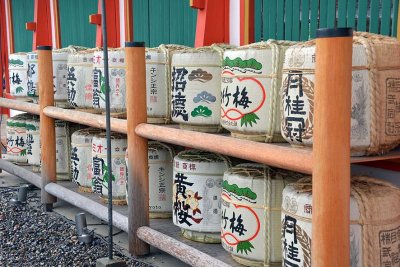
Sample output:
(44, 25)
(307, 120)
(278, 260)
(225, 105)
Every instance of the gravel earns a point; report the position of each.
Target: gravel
(31, 237)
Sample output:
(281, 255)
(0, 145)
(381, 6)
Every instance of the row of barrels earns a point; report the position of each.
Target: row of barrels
(261, 92)
(261, 215)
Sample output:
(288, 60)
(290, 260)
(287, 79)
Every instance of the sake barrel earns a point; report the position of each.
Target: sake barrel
(79, 79)
(33, 74)
(117, 74)
(374, 223)
(250, 85)
(60, 73)
(375, 120)
(81, 157)
(100, 168)
(63, 150)
(33, 141)
(197, 192)
(18, 72)
(160, 158)
(251, 212)
(16, 138)
(158, 82)
(195, 89)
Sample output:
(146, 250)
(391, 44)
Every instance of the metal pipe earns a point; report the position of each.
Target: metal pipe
(20, 105)
(178, 249)
(120, 221)
(20, 172)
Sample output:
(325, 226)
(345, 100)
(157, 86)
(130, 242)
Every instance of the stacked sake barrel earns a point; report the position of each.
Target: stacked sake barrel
(197, 192)
(18, 72)
(374, 223)
(375, 92)
(160, 158)
(17, 138)
(117, 74)
(250, 85)
(33, 142)
(195, 90)
(79, 79)
(81, 158)
(158, 82)
(100, 175)
(33, 74)
(251, 211)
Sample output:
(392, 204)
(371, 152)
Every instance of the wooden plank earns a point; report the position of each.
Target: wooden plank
(331, 14)
(159, 19)
(141, 31)
(305, 20)
(386, 17)
(351, 13)
(47, 125)
(257, 20)
(280, 23)
(395, 20)
(323, 13)
(296, 21)
(342, 13)
(271, 4)
(374, 18)
(288, 19)
(331, 172)
(362, 16)
(314, 18)
(266, 20)
(20, 105)
(138, 174)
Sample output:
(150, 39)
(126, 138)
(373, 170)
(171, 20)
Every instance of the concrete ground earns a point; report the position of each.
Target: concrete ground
(156, 258)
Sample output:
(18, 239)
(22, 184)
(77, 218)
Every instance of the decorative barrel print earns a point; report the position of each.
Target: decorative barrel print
(33, 74)
(16, 138)
(81, 158)
(160, 158)
(63, 150)
(18, 71)
(251, 211)
(79, 79)
(158, 82)
(374, 223)
(250, 84)
(197, 192)
(375, 120)
(117, 74)
(195, 90)
(33, 141)
(100, 168)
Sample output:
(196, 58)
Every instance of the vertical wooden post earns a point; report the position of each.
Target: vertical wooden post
(47, 127)
(138, 176)
(331, 152)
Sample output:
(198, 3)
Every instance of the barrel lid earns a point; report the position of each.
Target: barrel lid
(195, 155)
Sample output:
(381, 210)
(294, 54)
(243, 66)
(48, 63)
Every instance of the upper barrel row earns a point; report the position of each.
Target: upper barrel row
(261, 92)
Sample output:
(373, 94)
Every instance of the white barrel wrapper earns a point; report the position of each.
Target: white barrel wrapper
(33, 141)
(33, 74)
(18, 72)
(16, 138)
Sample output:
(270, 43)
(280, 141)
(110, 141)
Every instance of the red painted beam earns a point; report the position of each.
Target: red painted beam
(212, 22)
(41, 26)
(113, 27)
(4, 53)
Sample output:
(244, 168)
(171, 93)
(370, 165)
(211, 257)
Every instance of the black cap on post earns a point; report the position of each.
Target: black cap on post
(44, 47)
(334, 32)
(134, 44)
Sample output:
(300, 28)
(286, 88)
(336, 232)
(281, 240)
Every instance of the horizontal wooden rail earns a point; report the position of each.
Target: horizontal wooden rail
(20, 172)
(89, 119)
(281, 156)
(178, 249)
(20, 105)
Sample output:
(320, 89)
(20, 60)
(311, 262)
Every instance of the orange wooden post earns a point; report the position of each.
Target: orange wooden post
(138, 176)
(331, 151)
(47, 127)
(212, 21)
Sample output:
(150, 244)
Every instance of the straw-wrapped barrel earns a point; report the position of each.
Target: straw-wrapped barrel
(197, 192)
(250, 85)
(33, 141)
(374, 223)
(375, 116)
(251, 212)
(196, 88)
(16, 138)
(18, 72)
